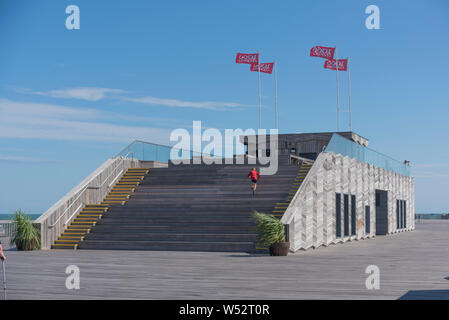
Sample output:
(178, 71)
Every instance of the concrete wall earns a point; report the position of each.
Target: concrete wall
(91, 190)
(311, 215)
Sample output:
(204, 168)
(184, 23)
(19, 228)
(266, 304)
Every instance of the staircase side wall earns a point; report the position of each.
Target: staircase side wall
(311, 214)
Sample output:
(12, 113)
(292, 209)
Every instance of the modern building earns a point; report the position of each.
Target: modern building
(350, 192)
(328, 188)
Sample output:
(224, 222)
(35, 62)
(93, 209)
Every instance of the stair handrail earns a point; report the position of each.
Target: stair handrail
(122, 158)
(74, 212)
(81, 192)
(302, 159)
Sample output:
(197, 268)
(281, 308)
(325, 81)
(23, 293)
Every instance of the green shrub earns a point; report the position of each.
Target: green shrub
(270, 229)
(26, 236)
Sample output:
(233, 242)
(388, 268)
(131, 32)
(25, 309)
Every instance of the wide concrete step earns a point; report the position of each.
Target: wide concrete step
(169, 245)
(181, 228)
(166, 236)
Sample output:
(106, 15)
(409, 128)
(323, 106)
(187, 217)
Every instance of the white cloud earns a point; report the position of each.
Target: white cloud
(210, 105)
(96, 94)
(6, 158)
(83, 93)
(46, 121)
(30, 110)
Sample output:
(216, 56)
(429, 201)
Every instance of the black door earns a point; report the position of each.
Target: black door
(381, 212)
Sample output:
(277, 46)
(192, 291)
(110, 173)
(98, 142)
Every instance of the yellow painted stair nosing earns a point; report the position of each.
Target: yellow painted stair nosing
(82, 222)
(77, 236)
(119, 194)
(66, 244)
(93, 213)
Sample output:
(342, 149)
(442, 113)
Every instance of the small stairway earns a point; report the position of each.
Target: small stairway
(92, 213)
(281, 207)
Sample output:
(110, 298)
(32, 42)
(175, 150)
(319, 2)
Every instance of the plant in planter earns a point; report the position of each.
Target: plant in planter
(271, 234)
(26, 236)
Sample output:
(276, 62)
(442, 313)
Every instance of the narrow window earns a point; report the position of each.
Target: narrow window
(353, 216)
(398, 216)
(367, 220)
(346, 215)
(338, 215)
(405, 215)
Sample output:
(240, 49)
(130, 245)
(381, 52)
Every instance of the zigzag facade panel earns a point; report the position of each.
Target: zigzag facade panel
(312, 211)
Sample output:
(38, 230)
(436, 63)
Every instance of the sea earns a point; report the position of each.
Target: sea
(435, 216)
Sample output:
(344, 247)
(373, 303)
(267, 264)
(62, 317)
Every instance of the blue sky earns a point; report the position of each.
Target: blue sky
(138, 69)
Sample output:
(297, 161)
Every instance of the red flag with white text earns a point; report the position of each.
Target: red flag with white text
(322, 52)
(332, 64)
(250, 58)
(264, 67)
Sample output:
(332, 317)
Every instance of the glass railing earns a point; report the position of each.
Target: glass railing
(345, 147)
(146, 151)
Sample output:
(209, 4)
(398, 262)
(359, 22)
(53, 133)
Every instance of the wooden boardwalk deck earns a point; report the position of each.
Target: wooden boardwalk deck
(412, 264)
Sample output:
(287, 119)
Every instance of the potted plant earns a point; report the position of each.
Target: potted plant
(271, 234)
(26, 236)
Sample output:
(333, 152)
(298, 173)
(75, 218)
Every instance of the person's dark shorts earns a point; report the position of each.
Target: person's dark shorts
(254, 181)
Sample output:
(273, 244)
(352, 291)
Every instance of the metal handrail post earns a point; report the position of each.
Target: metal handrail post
(4, 279)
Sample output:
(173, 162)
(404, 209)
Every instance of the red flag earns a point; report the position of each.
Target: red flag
(264, 67)
(322, 52)
(332, 64)
(249, 58)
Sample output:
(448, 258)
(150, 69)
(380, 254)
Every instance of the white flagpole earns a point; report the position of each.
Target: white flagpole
(260, 100)
(276, 121)
(338, 105)
(349, 97)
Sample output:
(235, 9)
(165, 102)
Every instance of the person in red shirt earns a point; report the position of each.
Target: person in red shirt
(255, 176)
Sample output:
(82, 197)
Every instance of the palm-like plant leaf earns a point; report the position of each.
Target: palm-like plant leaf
(26, 236)
(270, 229)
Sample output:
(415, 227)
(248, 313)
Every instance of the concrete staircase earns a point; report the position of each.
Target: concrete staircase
(192, 208)
(92, 213)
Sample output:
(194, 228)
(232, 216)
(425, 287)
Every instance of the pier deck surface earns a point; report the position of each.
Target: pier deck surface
(412, 265)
